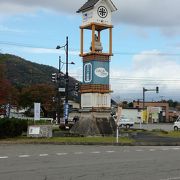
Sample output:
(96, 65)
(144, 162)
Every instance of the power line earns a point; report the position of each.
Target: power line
(118, 53)
(25, 45)
(136, 79)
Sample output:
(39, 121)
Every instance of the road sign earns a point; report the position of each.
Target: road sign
(61, 89)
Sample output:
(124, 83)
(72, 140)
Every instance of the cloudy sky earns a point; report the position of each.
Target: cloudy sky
(146, 41)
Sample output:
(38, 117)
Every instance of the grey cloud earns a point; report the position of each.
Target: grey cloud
(153, 13)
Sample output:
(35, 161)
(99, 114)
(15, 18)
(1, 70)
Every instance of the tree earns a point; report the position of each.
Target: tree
(5, 88)
(125, 104)
(172, 103)
(41, 93)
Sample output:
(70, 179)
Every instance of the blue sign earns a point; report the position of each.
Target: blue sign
(96, 72)
(66, 111)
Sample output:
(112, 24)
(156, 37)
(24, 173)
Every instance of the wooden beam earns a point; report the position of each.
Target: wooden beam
(93, 38)
(82, 42)
(110, 41)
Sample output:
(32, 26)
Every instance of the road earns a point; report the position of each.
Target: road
(59, 162)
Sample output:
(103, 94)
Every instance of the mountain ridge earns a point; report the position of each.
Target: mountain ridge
(22, 73)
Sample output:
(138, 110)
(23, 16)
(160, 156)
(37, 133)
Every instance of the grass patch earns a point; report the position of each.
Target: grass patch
(159, 132)
(65, 140)
(173, 134)
(132, 130)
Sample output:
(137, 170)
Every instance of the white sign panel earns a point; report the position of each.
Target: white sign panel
(37, 111)
(87, 72)
(34, 130)
(61, 89)
(101, 72)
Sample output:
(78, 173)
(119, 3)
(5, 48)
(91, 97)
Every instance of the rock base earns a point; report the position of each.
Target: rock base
(94, 124)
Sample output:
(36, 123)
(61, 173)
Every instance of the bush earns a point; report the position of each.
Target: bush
(12, 127)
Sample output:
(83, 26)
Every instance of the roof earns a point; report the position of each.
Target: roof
(90, 4)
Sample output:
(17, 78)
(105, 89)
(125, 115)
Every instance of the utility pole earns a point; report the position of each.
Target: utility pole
(66, 108)
(144, 90)
(66, 105)
(59, 93)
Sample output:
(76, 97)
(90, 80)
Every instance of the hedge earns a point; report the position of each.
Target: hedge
(12, 127)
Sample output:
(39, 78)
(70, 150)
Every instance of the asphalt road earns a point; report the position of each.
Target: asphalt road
(57, 162)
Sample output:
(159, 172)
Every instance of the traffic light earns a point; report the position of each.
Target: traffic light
(157, 89)
(76, 87)
(54, 77)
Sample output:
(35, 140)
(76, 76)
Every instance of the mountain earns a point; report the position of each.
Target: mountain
(22, 73)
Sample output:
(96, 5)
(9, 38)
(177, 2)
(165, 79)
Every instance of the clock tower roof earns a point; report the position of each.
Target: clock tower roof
(91, 3)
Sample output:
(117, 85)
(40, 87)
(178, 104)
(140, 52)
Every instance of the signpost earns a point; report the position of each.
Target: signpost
(118, 115)
(37, 111)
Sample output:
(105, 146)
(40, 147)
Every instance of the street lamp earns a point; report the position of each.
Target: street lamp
(66, 105)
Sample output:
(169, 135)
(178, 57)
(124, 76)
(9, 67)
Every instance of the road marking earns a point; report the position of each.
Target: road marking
(139, 150)
(3, 157)
(172, 178)
(110, 151)
(43, 155)
(176, 148)
(61, 154)
(24, 156)
(152, 150)
(78, 153)
(95, 152)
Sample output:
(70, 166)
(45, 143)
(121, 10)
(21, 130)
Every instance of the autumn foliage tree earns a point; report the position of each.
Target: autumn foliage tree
(5, 88)
(40, 93)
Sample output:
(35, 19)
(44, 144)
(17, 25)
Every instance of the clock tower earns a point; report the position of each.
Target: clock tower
(95, 89)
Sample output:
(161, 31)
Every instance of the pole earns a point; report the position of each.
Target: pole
(67, 84)
(59, 93)
(117, 133)
(143, 98)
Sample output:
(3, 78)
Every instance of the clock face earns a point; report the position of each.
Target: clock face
(102, 12)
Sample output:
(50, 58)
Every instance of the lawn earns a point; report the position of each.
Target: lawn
(68, 140)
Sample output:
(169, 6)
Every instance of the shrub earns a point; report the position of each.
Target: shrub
(12, 127)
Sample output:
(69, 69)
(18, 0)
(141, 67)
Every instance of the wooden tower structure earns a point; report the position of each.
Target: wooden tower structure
(95, 89)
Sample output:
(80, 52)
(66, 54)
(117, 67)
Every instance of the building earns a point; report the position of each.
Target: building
(153, 109)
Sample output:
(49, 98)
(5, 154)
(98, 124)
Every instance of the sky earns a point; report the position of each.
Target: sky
(146, 42)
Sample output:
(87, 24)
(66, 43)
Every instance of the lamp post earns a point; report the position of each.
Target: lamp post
(59, 93)
(66, 105)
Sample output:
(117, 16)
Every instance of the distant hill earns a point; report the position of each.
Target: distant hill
(21, 72)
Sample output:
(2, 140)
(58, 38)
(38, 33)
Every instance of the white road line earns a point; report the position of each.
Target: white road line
(3, 157)
(110, 151)
(43, 155)
(95, 152)
(61, 154)
(175, 148)
(78, 153)
(172, 178)
(152, 150)
(24, 156)
(139, 150)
